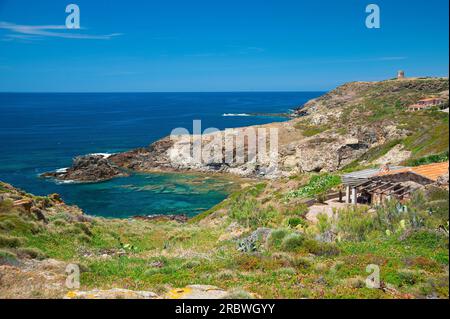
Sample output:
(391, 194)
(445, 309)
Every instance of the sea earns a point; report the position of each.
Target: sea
(42, 132)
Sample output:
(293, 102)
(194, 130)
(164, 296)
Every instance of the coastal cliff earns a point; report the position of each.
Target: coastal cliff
(358, 122)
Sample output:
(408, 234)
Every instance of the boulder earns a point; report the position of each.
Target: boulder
(197, 292)
(114, 293)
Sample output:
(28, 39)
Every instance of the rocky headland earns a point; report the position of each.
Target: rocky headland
(88, 168)
(351, 123)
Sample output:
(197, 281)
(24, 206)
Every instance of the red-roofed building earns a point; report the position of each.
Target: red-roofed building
(425, 104)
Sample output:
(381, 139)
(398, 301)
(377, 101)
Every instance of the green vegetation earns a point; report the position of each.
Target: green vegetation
(309, 130)
(385, 104)
(430, 137)
(248, 213)
(318, 184)
(435, 158)
(297, 260)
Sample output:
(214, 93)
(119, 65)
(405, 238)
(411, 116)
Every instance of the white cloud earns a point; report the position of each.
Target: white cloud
(30, 32)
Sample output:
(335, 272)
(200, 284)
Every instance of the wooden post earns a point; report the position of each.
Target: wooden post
(347, 194)
(354, 195)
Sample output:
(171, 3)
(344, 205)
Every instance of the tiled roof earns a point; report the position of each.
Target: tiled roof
(430, 171)
(430, 99)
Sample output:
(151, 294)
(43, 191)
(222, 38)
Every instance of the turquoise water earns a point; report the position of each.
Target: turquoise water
(43, 132)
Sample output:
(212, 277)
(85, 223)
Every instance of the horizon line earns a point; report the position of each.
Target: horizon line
(128, 92)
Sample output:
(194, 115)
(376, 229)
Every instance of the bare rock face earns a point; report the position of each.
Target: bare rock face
(328, 154)
(176, 153)
(395, 156)
(88, 168)
(442, 181)
(153, 157)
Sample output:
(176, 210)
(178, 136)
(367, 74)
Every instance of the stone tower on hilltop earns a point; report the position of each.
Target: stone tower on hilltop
(400, 75)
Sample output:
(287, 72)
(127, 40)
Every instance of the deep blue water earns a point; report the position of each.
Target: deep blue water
(43, 132)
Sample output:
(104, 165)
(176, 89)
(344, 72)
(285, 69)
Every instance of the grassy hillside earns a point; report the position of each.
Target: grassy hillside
(227, 248)
(358, 106)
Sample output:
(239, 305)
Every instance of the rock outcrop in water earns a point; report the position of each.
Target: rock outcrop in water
(88, 168)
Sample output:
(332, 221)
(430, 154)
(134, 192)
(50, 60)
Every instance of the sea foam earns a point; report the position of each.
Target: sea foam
(235, 114)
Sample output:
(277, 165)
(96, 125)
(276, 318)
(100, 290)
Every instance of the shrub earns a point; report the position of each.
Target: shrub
(355, 223)
(71, 230)
(408, 276)
(355, 282)
(59, 223)
(438, 204)
(321, 267)
(248, 262)
(436, 193)
(6, 206)
(439, 210)
(301, 262)
(321, 198)
(337, 266)
(422, 211)
(318, 184)
(436, 158)
(83, 238)
(299, 211)
(256, 189)
(84, 228)
(10, 241)
(247, 212)
(292, 242)
(7, 225)
(323, 223)
(276, 237)
(295, 221)
(151, 271)
(319, 248)
(225, 274)
(191, 264)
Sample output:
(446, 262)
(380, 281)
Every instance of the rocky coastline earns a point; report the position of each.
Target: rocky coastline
(88, 168)
(324, 135)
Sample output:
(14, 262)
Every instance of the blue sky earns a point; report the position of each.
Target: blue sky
(246, 45)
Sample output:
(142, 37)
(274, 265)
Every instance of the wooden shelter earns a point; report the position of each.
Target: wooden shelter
(373, 186)
(355, 180)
